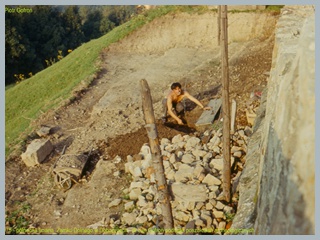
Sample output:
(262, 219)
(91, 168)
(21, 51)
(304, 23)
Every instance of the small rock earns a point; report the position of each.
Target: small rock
(44, 131)
(199, 205)
(222, 225)
(57, 213)
(248, 131)
(211, 180)
(209, 206)
(178, 138)
(129, 218)
(135, 193)
(165, 141)
(182, 216)
(117, 159)
(218, 214)
(199, 222)
(187, 158)
(129, 206)
(115, 203)
(173, 158)
(149, 197)
(198, 170)
(141, 201)
(237, 154)
(220, 205)
(137, 172)
(141, 219)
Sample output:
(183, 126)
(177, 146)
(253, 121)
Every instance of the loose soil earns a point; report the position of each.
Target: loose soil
(106, 119)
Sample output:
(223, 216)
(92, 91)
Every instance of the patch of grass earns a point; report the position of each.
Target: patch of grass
(276, 8)
(230, 217)
(16, 221)
(53, 86)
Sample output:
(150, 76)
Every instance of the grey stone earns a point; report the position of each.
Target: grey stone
(235, 149)
(182, 216)
(197, 172)
(149, 196)
(173, 158)
(237, 154)
(220, 205)
(141, 219)
(141, 185)
(218, 214)
(165, 142)
(129, 206)
(115, 203)
(211, 180)
(44, 131)
(141, 201)
(36, 152)
(129, 218)
(199, 205)
(187, 158)
(137, 172)
(199, 222)
(135, 193)
(217, 163)
(192, 143)
(189, 193)
(177, 138)
(184, 174)
(199, 153)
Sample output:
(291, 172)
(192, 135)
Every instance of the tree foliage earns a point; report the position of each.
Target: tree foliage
(35, 40)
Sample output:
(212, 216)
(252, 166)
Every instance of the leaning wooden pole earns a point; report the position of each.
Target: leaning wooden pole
(163, 193)
(225, 104)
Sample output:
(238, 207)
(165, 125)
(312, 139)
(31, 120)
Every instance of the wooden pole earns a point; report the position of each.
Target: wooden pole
(219, 24)
(163, 193)
(225, 104)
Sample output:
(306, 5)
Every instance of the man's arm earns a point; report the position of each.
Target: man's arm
(196, 101)
(171, 113)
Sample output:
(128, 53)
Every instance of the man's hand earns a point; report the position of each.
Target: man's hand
(207, 108)
(180, 122)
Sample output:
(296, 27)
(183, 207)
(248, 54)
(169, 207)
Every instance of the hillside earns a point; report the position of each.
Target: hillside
(106, 117)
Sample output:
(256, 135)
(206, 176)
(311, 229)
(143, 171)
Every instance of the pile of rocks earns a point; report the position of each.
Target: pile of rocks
(193, 169)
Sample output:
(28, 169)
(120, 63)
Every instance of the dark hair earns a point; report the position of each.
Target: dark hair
(175, 85)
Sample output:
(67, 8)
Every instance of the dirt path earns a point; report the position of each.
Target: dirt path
(107, 117)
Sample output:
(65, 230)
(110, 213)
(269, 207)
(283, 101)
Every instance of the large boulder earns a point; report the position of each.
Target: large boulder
(36, 152)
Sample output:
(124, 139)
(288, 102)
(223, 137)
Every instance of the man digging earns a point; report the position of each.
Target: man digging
(172, 103)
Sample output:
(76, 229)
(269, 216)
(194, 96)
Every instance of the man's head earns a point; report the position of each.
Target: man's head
(176, 87)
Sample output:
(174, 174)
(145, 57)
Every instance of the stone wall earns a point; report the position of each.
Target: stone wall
(277, 194)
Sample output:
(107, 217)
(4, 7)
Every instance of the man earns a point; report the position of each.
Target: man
(172, 103)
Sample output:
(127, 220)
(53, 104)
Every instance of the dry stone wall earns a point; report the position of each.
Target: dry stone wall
(280, 196)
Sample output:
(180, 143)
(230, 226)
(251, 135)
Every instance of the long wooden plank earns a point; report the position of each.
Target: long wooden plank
(208, 116)
(233, 115)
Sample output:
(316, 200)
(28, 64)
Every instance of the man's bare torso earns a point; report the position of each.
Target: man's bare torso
(176, 98)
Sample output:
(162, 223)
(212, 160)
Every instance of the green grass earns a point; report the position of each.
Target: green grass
(16, 221)
(51, 87)
(276, 8)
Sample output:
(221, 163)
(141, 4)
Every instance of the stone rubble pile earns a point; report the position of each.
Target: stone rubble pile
(193, 169)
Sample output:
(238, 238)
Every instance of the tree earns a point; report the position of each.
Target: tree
(73, 35)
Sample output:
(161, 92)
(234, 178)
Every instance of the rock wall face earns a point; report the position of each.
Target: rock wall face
(277, 184)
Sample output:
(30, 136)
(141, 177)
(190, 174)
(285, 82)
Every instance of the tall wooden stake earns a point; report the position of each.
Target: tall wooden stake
(225, 104)
(163, 193)
(219, 24)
